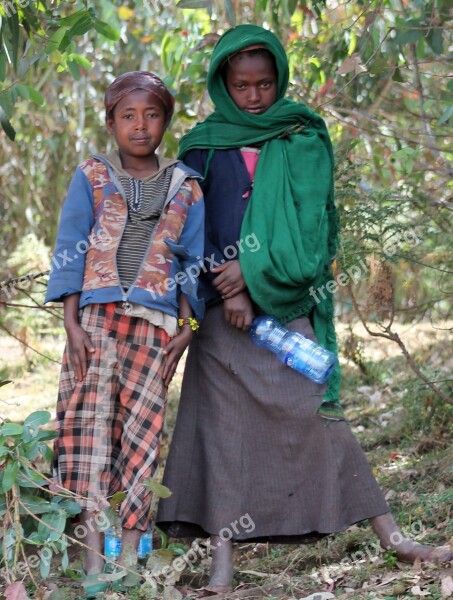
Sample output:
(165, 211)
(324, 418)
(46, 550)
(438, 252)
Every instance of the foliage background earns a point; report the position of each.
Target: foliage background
(378, 72)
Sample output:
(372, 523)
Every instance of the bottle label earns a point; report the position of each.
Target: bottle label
(112, 547)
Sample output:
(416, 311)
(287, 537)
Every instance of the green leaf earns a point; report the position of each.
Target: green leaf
(446, 115)
(74, 18)
(194, 4)
(35, 477)
(3, 63)
(117, 498)
(45, 452)
(408, 36)
(65, 560)
(29, 450)
(55, 40)
(161, 491)
(6, 125)
(7, 102)
(435, 40)
(13, 23)
(177, 549)
(11, 429)
(80, 60)
(56, 520)
(36, 504)
(71, 507)
(111, 519)
(10, 474)
(35, 539)
(106, 30)
(45, 563)
(39, 417)
(46, 435)
(81, 26)
(292, 5)
(397, 76)
(74, 69)
(4, 451)
(163, 537)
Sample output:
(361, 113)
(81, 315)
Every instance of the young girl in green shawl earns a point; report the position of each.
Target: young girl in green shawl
(259, 452)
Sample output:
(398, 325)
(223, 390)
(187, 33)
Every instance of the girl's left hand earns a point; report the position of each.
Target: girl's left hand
(230, 281)
(173, 352)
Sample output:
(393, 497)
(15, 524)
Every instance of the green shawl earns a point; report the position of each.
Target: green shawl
(291, 211)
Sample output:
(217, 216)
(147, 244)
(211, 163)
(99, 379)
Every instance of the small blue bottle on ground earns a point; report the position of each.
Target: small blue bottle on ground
(145, 546)
(293, 349)
(112, 545)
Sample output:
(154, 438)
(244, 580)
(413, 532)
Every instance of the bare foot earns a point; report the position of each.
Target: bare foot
(409, 551)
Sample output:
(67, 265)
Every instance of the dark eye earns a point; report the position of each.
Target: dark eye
(128, 116)
(240, 86)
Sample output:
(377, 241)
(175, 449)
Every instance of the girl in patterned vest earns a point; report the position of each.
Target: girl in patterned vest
(125, 267)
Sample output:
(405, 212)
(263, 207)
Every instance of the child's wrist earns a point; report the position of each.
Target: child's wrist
(190, 322)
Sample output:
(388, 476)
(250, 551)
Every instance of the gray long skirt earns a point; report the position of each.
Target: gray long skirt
(250, 458)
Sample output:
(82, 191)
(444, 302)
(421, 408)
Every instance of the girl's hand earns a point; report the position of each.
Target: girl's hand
(230, 281)
(239, 311)
(173, 352)
(79, 345)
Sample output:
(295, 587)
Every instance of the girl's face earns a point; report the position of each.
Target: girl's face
(251, 82)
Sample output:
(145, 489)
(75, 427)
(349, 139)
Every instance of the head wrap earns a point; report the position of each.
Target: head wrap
(291, 210)
(138, 80)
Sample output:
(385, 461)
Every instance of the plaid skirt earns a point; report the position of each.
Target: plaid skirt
(110, 423)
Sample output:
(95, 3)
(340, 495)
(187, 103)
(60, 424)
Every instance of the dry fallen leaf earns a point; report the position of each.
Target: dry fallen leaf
(446, 587)
(16, 591)
(353, 64)
(418, 592)
(171, 593)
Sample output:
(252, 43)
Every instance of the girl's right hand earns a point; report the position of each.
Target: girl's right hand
(239, 311)
(230, 281)
(78, 345)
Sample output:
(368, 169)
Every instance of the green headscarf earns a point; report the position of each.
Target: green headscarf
(291, 211)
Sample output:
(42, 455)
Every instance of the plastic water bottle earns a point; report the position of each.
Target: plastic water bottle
(112, 543)
(145, 546)
(293, 349)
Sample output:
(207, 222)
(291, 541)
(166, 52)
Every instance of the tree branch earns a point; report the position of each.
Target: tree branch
(388, 334)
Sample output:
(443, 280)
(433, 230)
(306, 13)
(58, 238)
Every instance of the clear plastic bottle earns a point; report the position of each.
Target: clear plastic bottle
(293, 349)
(145, 546)
(112, 543)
